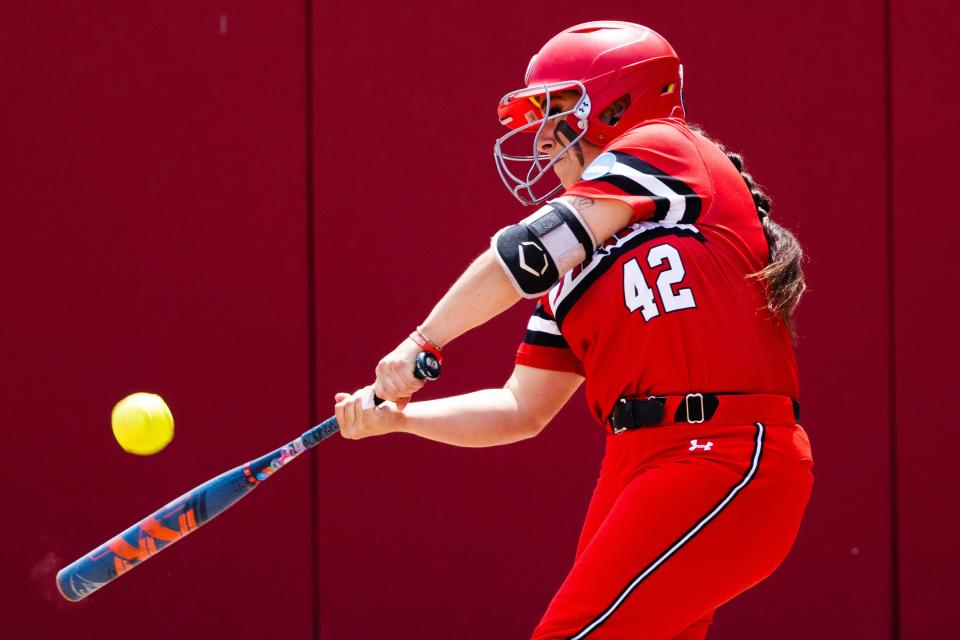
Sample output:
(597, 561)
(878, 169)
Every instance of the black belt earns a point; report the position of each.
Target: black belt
(693, 408)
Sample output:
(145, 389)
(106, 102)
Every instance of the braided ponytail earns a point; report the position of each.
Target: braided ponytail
(783, 276)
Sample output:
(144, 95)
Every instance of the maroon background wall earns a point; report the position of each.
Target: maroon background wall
(173, 221)
(153, 238)
(925, 138)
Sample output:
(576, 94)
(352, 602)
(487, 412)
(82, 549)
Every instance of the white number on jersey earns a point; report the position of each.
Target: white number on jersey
(637, 294)
(683, 298)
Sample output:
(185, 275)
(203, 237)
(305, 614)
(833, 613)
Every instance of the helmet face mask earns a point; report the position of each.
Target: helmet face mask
(603, 61)
(528, 111)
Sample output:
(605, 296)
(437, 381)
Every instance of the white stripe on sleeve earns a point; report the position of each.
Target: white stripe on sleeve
(543, 325)
(678, 203)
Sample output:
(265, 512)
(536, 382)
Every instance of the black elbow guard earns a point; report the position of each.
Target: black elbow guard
(526, 260)
(539, 249)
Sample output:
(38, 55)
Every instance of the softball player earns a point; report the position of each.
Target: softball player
(662, 282)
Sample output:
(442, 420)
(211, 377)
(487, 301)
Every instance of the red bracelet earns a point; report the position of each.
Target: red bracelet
(424, 343)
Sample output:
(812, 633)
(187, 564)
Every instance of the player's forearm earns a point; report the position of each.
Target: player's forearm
(481, 293)
(480, 419)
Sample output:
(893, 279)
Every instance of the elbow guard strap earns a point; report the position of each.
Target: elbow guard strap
(542, 247)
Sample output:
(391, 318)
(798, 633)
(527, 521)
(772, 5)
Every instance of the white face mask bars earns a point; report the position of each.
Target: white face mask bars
(538, 164)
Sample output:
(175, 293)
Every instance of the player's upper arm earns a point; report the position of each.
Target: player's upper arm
(541, 393)
(537, 251)
(604, 216)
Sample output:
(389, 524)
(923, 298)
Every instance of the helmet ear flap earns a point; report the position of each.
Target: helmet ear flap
(612, 114)
(655, 89)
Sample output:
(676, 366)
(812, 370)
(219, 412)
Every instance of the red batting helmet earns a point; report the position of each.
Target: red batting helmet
(603, 61)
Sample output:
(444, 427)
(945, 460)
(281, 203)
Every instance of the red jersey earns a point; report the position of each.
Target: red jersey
(666, 306)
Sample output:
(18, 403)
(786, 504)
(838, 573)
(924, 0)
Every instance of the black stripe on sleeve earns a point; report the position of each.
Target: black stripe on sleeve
(633, 188)
(543, 339)
(692, 201)
(540, 312)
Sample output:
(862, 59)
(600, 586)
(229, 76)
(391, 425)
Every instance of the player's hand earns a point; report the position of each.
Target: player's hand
(395, 379)
(357, 422)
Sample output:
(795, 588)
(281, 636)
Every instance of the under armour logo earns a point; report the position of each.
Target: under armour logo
(694, 446)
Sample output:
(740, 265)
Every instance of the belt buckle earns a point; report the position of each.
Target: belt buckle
(703, 412)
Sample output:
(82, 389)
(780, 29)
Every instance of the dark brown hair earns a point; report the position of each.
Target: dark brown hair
(783, 276)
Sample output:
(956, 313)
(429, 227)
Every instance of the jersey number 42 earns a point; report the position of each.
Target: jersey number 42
(637, 294)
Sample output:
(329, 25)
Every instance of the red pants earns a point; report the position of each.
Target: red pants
(684, 517)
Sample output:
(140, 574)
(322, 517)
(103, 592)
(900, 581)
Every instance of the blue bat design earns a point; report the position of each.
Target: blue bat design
(193, 509)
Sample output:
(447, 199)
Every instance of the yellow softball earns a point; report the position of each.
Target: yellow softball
(142, 423)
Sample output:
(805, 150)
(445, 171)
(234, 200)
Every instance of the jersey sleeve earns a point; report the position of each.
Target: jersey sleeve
(544, 347)
(655, 169)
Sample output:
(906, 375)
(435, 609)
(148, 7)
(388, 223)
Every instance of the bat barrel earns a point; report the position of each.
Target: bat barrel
(173, 522)
(122, 553)
(66, 589)
(193, 509)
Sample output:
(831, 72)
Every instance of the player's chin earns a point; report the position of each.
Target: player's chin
(566, 172)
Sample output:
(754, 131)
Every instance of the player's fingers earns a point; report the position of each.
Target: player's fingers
(350, 415)
(355, 407)
(379, 389)
(386, 386)
(413, 384)
(384, 369)
(391, 389)
(395, 367)
(340, 411)
(341, 396)
(406, 384)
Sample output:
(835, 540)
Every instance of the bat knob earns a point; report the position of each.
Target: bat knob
(428, 367)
